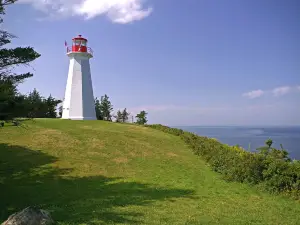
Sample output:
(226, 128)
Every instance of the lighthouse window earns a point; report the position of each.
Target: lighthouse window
(83, 43)
(77, 42)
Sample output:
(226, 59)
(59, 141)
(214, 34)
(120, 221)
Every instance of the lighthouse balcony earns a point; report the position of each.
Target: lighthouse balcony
(83, 49)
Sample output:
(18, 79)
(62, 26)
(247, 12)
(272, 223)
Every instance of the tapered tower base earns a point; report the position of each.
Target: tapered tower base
(80, 118)
(79, 101)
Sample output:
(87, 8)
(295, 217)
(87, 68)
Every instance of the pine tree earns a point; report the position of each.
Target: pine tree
(98, 109)
(118, 117)
(125, 115)
(106, 108)
(36, 105)
(40, 107)
(51, 104)
(9, 58)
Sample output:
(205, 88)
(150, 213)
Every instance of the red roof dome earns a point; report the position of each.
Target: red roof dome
(79, 37)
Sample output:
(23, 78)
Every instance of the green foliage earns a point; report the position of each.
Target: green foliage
(40, 107)
(17, 56)
(10, 100)
(4, 3)
(35, 106)
(118, 116)
(8, 93)
(166, 129)
(141, 118)
(105, 108)
(51, 104)
(98, 109)
(124, 115)
(269, 142)
(269, 167)
(32, 105)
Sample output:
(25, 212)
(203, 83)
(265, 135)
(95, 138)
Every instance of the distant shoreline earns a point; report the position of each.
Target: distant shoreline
(242, 126)
(252, 137)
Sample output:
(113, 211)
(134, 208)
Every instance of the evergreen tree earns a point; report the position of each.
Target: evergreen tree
(106, 108)
(8, 93)
(51, 104)
(141, 118)
(39, 107)
(125, 115)
(36, 105)
(10, 99)
(98, 109)
(118, 117)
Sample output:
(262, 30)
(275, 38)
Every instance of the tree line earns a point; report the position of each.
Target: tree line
(269, 168)
(32, 105)
(14, 104)
(105, 111)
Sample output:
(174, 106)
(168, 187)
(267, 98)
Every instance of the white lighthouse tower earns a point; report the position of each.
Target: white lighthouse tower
(79, 98)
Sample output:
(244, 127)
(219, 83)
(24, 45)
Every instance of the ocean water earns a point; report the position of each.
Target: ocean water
(254, 137)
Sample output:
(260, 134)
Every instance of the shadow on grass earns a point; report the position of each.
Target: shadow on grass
(26, 178)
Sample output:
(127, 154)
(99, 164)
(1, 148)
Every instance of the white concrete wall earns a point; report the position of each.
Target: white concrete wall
(79, 99)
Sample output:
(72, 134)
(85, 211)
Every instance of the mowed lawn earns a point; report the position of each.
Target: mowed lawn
(95, 172)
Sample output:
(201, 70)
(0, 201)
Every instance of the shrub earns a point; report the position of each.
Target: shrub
(268, 167)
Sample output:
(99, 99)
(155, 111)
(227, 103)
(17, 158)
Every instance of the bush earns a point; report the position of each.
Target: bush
(269, 167)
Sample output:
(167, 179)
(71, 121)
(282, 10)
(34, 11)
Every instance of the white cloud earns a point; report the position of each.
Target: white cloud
(254, 94)
(118, 11)
(281, 90)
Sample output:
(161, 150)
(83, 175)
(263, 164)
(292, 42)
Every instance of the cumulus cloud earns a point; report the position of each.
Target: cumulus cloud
(281, 90)
(254, 94)
(276, 92)
(118, 11)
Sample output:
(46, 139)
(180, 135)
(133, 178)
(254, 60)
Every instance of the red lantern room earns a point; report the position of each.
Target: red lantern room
(79, 44)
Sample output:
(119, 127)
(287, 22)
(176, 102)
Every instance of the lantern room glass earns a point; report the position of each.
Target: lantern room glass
(77, 42)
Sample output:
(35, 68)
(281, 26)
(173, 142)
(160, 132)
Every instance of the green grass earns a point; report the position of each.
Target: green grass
(94, 172)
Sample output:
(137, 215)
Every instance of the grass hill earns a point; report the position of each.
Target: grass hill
(95, 172)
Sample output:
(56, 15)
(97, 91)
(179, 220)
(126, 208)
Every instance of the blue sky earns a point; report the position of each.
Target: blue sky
(192, 62)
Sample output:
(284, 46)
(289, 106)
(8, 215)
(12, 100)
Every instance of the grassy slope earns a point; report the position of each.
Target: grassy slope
(88, 172)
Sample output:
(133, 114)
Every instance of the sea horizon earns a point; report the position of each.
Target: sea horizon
(250, 126)
(253, 136)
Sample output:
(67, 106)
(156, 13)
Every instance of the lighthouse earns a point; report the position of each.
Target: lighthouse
(79, 98)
